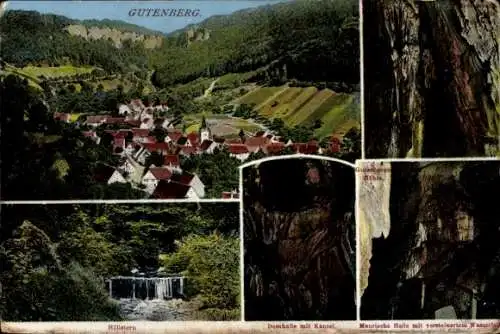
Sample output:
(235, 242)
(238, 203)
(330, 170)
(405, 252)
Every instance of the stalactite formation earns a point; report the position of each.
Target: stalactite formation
(432, 78)
(442, 255)
(299, 239)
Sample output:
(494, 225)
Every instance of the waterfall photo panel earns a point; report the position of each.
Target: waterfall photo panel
(429, 235)
(431, 78)
(299, 240)
(120, 262)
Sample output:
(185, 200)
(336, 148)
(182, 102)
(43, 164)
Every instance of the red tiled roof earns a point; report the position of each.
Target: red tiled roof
(188, 150)
(170, 190)
(140, 132)
(233, 141)
(274, 148)
(133, 122)
(152, 147)
(254, 149)
(161, 173)
(174, 135)
(205, 145)
(62, 116)
(97, 118)
(237, 149)
(193, 138)
(335, 147)
(119, 142)
(171, 159)
(115, 120)
(305, 148)
(256, 141)
(184, 178)
(149, 139)
(335, 139)
(313, 143)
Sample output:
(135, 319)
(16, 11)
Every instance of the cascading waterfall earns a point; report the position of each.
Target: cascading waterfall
(146, 287)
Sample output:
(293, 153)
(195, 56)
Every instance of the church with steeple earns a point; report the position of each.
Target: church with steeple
(205, 133)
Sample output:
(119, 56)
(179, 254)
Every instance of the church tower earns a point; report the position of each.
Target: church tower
(205, 133)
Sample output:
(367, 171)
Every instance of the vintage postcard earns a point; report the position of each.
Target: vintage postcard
(431, 78)
(254, 166)
(164, 100)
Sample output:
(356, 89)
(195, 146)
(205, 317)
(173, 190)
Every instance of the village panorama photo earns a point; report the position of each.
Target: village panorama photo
(101, 104)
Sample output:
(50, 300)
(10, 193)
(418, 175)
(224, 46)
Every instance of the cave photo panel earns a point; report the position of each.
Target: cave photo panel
(429, 240)
(431, 78)
(299, 240)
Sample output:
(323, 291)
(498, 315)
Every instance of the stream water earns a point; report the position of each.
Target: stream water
(155, 309)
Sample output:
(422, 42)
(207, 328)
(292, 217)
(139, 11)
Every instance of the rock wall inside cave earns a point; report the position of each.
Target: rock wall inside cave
(373, 180)
(432, 78)
(443, 248)
(299, 238)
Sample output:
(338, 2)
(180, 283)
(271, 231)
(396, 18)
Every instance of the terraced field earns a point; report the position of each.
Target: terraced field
(341, 113)
(260, 96)
(338, 112)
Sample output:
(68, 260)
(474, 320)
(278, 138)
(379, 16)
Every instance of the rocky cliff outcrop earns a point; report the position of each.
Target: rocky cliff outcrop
(197, 34)
(117, 36)
(442, 249)
(299, 241)
(432, 78)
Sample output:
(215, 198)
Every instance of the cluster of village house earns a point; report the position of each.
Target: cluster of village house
(134, 143)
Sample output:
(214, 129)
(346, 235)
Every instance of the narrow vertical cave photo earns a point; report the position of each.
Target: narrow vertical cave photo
(431, 78)
(429, 240)
(299, 240)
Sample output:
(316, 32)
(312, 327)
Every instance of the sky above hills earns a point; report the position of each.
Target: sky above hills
(119, 10)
